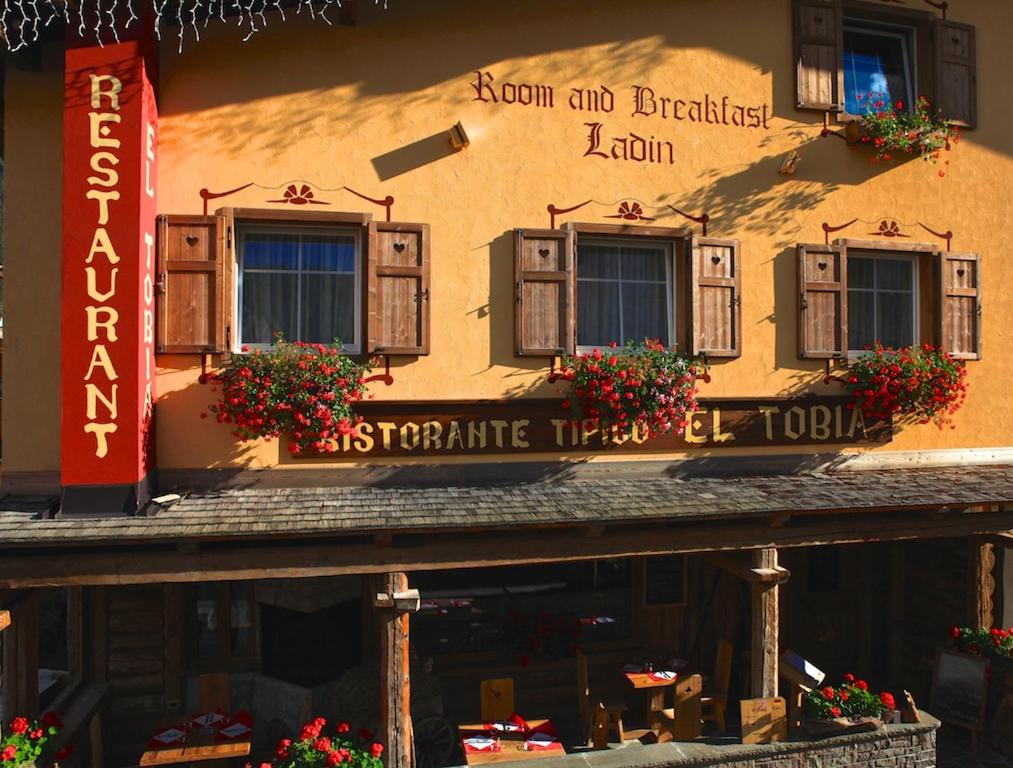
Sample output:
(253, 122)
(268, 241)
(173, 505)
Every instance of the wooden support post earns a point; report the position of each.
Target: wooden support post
(395, 685)
(764, 650)
(982, 583)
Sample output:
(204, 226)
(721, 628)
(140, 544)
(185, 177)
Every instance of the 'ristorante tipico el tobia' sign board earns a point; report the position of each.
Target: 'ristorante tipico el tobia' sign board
(440, 428)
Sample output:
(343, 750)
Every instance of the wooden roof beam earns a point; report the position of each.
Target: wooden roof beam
(752, 574)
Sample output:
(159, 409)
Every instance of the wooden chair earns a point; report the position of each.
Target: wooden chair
(683, 722)
(214, 692)
(715, 699)
(497, 699)
(597, 719)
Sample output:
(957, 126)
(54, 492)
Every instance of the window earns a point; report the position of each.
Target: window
(624, 292)
(879, 63)
(882, 300)
(301, 282)
(224, 625)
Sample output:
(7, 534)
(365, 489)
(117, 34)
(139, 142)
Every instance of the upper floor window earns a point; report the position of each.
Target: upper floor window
(882, 300)
(879, 64)
(848, 52)
(300, 282)
(624, 292)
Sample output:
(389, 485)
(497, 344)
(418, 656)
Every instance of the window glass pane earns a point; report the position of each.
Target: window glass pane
(644, 264)
(328, 308)
(54, 663)
(645, 313)
(328, 253)
(861, 273)
(269, 306)
(598, 261)
(597, 313)
(241, 619)
(270, 250)
(208, 622)
(894, 274)
(876, 66)
(861, 319)
(895, 318)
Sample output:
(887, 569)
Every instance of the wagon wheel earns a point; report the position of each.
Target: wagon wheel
(434, 741)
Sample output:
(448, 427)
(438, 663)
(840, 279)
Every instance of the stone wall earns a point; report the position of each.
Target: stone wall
(896, 746)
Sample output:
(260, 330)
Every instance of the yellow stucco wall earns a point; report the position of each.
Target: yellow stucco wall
(308, 101)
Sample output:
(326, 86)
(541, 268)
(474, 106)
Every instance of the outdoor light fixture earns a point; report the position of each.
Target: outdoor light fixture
(458, 137)
(789, 163)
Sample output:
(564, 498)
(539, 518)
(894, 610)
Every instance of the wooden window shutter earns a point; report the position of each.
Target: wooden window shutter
(193, 296)
(823, 301)
(819, 53)
(545, 292)
(716, 315)
(955, 75)
(959, 286)
(398, 288)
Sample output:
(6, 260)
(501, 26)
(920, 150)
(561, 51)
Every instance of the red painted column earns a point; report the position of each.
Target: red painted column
(108, 366)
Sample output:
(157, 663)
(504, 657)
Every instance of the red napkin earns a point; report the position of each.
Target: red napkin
(168, 736)
(546, 728)
(239, 727)
(513, 724)
(493, 746)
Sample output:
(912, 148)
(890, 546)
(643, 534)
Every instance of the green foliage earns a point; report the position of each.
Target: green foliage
(315, 749)
(26, 740)
(852, 699)
(980, 641)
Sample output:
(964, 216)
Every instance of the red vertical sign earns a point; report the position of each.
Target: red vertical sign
(109, 171)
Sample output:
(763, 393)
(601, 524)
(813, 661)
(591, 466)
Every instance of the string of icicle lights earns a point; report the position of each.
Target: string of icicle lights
(22, 21)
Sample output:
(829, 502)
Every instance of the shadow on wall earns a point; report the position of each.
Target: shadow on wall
(412, 156)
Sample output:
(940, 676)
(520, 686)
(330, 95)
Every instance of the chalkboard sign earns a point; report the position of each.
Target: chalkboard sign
(665, 580)
(959, 689)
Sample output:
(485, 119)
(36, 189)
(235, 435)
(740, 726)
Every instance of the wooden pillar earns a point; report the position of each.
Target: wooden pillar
(20, 664)
(982, 583)
(764, 651)
(395, 684)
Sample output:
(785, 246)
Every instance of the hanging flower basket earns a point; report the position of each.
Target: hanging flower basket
(316, 748)
(25, 741)
(849, 708)
(993, 643)
(305, 391)
(642, 386)
(916, 384)
(894, 132)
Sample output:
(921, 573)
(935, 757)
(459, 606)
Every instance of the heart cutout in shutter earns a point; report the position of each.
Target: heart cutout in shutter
(192, 241)
(960, 272)
(543, 252)
(399, 247)
(822, 265)
(715, 259)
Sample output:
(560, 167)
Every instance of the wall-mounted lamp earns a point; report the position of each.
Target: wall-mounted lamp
(789, 163)
(458, 137)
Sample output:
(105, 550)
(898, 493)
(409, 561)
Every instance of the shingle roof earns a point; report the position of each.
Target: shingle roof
(366, 510)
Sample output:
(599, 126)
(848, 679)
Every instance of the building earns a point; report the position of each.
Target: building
(456, 188)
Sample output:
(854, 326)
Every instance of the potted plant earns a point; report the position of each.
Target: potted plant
(24, 744)
(914, 384)
(315, 749)
(850, 707)
(643, 386)
(305, 391)
(891, 130)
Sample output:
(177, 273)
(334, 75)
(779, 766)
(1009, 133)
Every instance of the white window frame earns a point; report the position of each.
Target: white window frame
(670, 276)
(909, 46)
(915, 292)
(243, 228)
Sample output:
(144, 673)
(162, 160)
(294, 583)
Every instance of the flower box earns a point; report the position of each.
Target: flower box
(894, 133)
(837, 726)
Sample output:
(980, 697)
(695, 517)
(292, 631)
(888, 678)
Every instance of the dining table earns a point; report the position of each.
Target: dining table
(205, 736)
(504, 743)
(654, 683)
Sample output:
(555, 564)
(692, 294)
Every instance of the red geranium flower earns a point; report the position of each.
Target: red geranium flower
(8, 753)
(19, 725)
(835, 711)
(376, 749)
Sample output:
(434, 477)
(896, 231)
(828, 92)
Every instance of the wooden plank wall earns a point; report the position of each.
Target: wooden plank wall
(136, 649)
